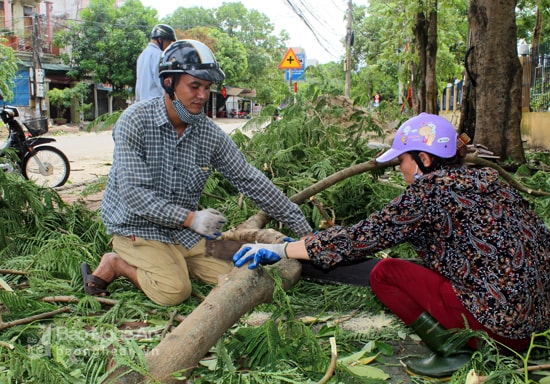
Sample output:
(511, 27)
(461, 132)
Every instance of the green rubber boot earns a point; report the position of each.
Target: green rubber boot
(446, 359)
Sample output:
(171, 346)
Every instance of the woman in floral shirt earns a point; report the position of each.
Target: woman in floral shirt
(483, 251)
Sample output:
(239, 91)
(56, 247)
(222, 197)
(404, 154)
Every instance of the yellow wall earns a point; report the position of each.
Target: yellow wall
(535, 129)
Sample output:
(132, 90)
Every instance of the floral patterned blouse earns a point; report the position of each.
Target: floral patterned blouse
(472, 229)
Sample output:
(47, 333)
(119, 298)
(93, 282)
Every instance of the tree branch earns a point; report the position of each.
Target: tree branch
(260, 219)
(12, 272)
(474, 159)
(74, 299)
(30, 319)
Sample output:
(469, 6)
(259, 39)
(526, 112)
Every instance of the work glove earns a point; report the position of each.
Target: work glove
(263, 254)
(208, 223)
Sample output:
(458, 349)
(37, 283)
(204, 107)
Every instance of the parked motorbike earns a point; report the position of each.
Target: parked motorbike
(44, 164)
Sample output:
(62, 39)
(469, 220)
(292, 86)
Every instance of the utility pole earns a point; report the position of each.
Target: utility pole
(349, 43)
(37, 73)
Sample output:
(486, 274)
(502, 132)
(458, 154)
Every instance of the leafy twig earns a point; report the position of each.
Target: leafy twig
(6, 345)
(348, 317)
(328, 220)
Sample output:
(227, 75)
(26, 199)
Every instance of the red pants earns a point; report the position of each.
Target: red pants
(408, 289)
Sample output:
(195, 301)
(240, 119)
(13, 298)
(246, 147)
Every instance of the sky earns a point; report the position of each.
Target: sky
(326, 18)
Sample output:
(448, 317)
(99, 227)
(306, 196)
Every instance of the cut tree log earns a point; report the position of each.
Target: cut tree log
(237, 292)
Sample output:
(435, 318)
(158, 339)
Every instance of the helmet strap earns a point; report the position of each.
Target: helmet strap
(170, 88)
(160, 42)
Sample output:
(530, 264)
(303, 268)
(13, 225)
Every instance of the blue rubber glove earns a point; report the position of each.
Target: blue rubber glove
(259, 254)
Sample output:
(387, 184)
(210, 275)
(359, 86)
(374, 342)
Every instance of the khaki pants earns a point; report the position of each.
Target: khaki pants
(164, 270)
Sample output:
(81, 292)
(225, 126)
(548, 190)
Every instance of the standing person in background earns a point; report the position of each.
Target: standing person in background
(483, 251)
(147, 74)
(165, 150)
(377, 100)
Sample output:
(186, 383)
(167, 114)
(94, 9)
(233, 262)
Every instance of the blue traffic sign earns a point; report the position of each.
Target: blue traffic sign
(297, 74)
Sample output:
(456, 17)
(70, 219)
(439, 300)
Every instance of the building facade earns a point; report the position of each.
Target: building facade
(29, 27)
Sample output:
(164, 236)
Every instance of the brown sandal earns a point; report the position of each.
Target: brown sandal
(93, 285)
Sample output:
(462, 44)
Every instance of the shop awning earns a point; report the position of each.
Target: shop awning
(241, 92)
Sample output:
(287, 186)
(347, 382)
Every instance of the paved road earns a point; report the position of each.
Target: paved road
(90, 153)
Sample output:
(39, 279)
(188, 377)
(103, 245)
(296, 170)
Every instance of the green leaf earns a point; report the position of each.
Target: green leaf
(209, 363)
(368, 371)
(352, 358)
(384, 348)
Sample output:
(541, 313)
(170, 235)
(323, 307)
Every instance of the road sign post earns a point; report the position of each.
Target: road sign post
(290, 61)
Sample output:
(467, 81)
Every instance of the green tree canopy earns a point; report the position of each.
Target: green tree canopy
(255, 34)
(229, 51)
(8, 70)
(106, 40)
(526, 13)
(383, 50)
(187, 18)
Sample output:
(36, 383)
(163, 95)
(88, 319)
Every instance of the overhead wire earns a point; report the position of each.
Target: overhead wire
(301, 13)
(320, 20)
(329, 27)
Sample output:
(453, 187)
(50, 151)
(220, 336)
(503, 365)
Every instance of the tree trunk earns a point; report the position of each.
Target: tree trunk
(425, 33)
(537, 29)
(236, 293)
(431, 60)
(467, 122)
(497, 73)
(421, 37)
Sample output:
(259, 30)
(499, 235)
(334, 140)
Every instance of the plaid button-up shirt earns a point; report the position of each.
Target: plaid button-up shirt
(157, 178)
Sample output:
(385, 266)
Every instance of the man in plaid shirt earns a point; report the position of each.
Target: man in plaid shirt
(165, 150)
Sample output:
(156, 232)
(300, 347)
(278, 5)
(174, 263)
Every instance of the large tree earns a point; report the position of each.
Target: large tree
(254, 31)
(425, 33)
(421, 44)
(493, 112)
(192, 17)
(106, 43)
(229, 51)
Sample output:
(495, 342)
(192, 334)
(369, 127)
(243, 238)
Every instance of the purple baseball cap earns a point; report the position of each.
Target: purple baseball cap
(426, 133)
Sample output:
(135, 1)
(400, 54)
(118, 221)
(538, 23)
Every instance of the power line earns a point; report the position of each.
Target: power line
(300, 13)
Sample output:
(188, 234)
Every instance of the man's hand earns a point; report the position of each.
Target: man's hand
(263, 254)
(208, 223)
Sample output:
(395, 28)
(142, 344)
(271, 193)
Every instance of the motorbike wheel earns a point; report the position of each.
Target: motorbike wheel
(46, 166)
